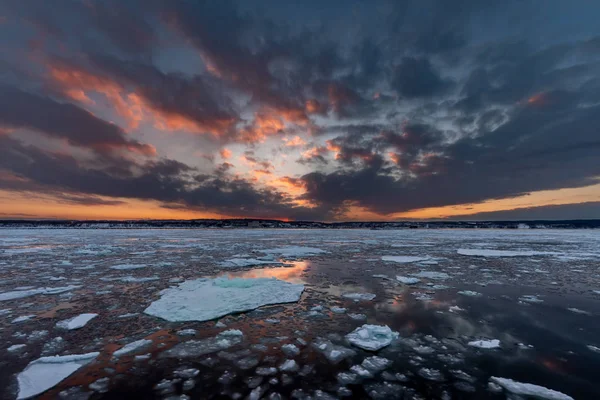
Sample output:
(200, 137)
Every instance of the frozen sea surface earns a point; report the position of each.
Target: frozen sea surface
(219, 314)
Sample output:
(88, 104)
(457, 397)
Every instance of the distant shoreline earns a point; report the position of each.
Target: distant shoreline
(277, 224)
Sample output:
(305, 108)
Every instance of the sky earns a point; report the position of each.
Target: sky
(313, 110)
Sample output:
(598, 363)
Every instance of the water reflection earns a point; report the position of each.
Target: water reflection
(292, 272)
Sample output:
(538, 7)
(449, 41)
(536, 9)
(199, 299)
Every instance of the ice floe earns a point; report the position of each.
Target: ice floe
(125, 267)
(333, 352)
(407, 280)
(502, 253)
(372, 337)
(247, 262)
(44, 373)
(132, 347)
(197, 348)
(404, 259)
(76, 322)
(359, 296)
(469, 293)
(432, 275)
(207, 299)
(485, 344)
(529, 389)
(294, 251)
(19, 294)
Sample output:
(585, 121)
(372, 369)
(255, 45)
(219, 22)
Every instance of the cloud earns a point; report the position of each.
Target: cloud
(22, 110)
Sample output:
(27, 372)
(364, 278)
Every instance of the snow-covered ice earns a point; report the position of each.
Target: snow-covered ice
(76, 322)
(207, 299)
(197, 348)
(19, 294)
(294, 251)
(529, 389)
(44, 373)
(133, 347)
(359, 296)
(372, 337)
(407, 280)
(432, 275)
(485, 344)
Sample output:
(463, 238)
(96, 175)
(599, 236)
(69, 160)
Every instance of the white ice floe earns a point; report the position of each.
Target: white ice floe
(579, 311)
(469, 293)
(132, 347)
(376, 364)
(407, 280)
(46, 372)
(207, 299)
(529, 389)
(19, 294)
(529, 298)
(197, 348)
(333, 353)
(337, 310)
(22, 318)
(359, 296)
(485, 344)
(247, 262)
(289, 366)
(357, 317)
(133, 279)
(455, 309)
(593, 348)
(404, 259)
(432, 275)
(372, 337)
(294, 251)
(290, 350)
(76, 322)
(126, 267)
(502, 253)
(18, 347)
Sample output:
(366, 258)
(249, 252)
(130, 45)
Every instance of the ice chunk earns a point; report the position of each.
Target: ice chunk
(333, 352)
(206, 299)
(197, 348)
(404, 259)
(100, 385)
(337, 310)
(247, 262)
(359, 296)
(347, 378)
(376, 364)
(372, 337)
(18, 347)
(575, 310)
(44, 373)
(469, 293)
(528, 298)
(76, 322)
(132, 347)
(266, 371)
(431, 374)
(592, 348)
(357, 317)
(407, 280)
(385, 391)
(125, 267)
(294, 251)
(432, 275)
(485, 344)
(502, 253)
(289, 366)
(290, 350)
(361, 371)
(22, 318)
(19, 294)
(529, 389)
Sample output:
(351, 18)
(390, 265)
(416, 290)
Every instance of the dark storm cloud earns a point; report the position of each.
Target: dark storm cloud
(19, 109)
(416, 77)
(533, 151)
(164, 180)
(439, 102)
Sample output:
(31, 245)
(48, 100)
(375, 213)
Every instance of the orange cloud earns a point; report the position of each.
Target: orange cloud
(296, 141)
(225, 153)
(131, 106)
